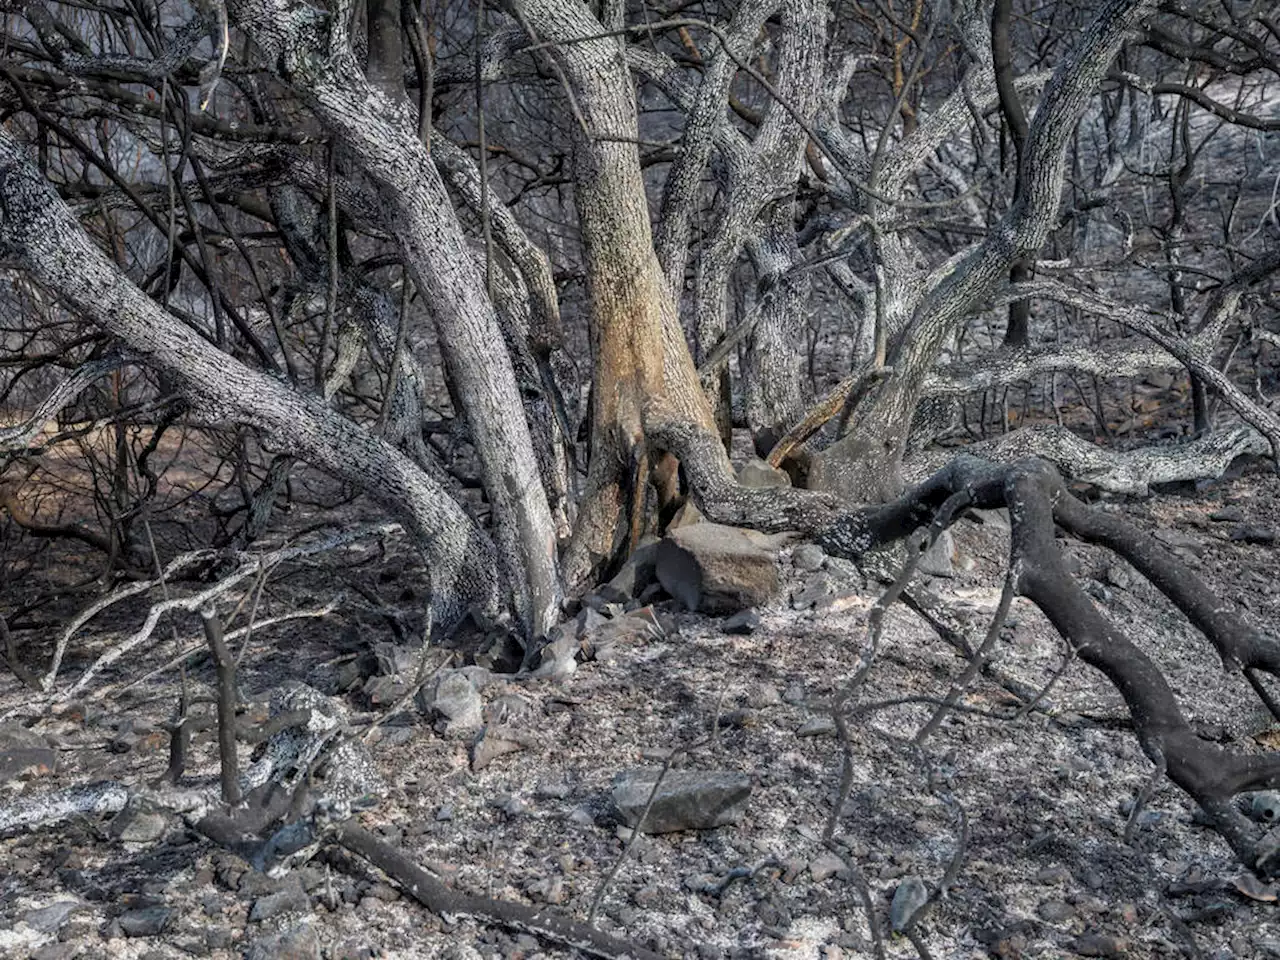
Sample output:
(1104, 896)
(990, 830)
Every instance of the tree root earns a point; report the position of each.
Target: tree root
(1118, 471)
(1037, 499)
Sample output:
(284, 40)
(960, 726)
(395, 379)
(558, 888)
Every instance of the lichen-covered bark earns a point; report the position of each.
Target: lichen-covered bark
(40, 233)
(867, 461)
(309, 50)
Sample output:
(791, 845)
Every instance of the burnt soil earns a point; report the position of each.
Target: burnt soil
(1047, 870)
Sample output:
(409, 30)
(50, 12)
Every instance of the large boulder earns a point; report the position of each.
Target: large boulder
(686, 799)
(714, 568)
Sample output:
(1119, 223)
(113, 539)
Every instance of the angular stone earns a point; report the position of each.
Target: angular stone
(299, 943)
(395, 659)
(714, 568)
(686, 799)
(743, 622)
(812, 593)
(145, 921)
(1101, 945)
(1230, 514)
(292, 899)
(757, 474)
(139, 822)
(808, 558)
(52, 918)
(497, 741)
(686, 516)
(817, 727)
(610, 637)
(910, 896)
(639, 570)
(939, 559)
(824, 866)
(558, 657)
(1055, 911)
(455, 698)
(383, 691)
(24, 753)
(1179, 541)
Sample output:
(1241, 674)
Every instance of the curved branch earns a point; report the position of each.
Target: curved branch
(20, 435)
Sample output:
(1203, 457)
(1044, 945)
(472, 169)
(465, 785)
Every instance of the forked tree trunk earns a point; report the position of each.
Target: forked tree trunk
(40, 233)
(642, 366)
(312, 53)
(867, 462)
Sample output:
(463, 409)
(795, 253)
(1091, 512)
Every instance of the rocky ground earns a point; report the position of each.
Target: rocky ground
(505, 786)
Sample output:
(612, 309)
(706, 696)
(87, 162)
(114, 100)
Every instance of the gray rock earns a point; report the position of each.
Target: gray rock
(910, 896)
(686, 516)
(1179, 542)
(817, 727)
(139, 822)
(1231, 514)
(742, 623)
(812, 593)
(1055, 911)
(497, 741)
(686, 799)
(939, 559)
(824, 866)
(51, 919)
(396, 659)
(758, 475)
(808, 558)
(638, 572)
(299, 943)
(292, 899)
(145, 921)
(718, 569)
(24, 753)
(383, 691)
(1101, 945)
(610, 637)
(558, 657)
(763, 695)
(454, 697)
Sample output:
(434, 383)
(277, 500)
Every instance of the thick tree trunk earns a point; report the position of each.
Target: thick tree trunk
(381, 132)
(642, 365)
(39, 232)
(775, 388)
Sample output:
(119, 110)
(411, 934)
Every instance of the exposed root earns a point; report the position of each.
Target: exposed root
(1038, 500)
(1115, 471)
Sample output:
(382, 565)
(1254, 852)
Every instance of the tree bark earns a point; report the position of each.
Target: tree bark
(41, 234)
(642, 365)
(867, 462)
(309, 50)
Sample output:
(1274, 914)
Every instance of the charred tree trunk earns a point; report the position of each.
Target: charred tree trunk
(40, 233)
(867, 461)
(381, 132)
(642, 365)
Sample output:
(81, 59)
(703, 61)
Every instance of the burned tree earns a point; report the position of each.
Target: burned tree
(329, 245)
